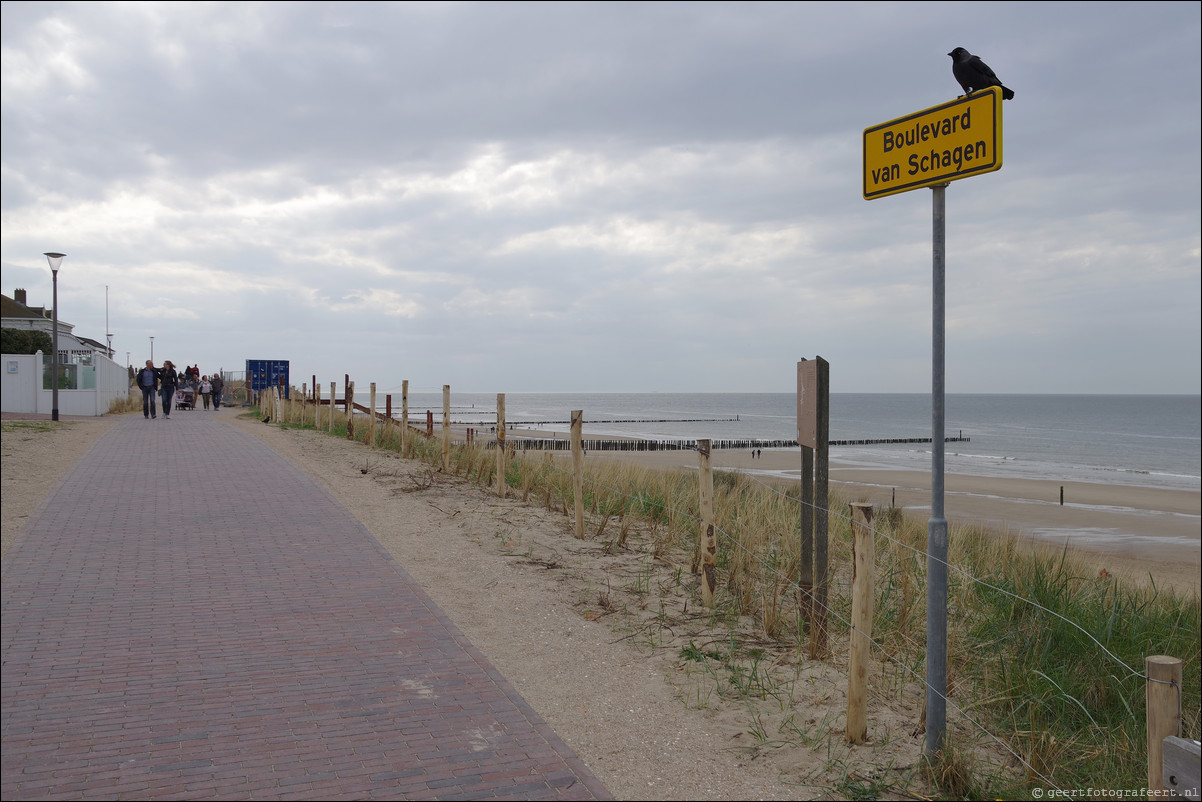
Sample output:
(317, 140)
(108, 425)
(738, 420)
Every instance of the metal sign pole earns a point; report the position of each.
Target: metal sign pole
(937, 526)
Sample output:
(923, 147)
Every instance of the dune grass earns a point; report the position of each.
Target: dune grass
(1043, 653)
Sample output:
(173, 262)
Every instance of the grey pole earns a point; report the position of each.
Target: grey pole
(55, 259)
(937, 526)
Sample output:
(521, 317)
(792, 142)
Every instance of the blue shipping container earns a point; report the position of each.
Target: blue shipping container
(264, 373)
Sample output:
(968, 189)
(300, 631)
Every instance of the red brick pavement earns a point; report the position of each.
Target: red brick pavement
(191, 617)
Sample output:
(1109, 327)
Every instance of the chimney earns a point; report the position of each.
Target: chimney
(19, 297)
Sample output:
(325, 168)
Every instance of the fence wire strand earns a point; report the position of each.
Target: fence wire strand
(788, 582)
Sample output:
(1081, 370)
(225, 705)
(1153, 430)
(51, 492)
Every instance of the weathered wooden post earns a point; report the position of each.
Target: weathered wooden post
(707, 546)
(1163, 695)
(316, 404)
(863, 562)
(350, 410)
(389, 421)
(404, 413)
(806, 580)
(446, 427)
(501, 445)
(578, 468)
(304, 401)
(813, 431)
(371, 427)
(813, 434)
(333, 392)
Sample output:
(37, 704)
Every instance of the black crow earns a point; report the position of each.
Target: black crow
(973, 74)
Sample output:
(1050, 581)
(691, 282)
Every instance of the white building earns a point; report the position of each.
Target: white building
(90, 381)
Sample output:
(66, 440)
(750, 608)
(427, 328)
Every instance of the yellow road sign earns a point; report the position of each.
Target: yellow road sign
(940, 144)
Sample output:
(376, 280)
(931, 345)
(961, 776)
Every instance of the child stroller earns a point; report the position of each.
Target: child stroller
(185, 398)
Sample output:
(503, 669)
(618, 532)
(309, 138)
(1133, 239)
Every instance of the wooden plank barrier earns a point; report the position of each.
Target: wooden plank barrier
(1182, 767)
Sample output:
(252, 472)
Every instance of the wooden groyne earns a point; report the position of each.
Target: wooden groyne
(565, 444)
(522, 443)
(525, 424)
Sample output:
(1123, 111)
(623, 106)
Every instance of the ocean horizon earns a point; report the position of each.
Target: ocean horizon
(1142, 440)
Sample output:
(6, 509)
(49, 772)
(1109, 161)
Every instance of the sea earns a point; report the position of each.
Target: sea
(1142, 440)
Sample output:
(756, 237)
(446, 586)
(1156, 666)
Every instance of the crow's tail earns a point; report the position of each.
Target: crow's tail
(1007, 94)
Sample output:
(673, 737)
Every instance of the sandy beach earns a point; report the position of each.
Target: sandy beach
(570, 626)
(1132, 532)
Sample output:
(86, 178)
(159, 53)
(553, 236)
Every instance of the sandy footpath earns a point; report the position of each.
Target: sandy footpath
(595, 641)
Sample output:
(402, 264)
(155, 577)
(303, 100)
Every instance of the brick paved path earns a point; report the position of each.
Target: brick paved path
(192, 617)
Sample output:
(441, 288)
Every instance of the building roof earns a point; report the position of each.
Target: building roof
(12, 308)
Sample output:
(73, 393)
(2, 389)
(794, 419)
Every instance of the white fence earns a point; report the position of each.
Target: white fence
(24, 386)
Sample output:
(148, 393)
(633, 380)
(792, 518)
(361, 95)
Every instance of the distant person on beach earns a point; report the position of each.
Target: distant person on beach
(206, 390)
(148, 383)
(168, 379)
(218, 387)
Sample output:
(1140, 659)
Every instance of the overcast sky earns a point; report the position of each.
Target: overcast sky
(510, 197)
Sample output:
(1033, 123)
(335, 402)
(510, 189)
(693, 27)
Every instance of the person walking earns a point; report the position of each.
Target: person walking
(168, 379)
(218, 385)
(206, 390)
(148, 382)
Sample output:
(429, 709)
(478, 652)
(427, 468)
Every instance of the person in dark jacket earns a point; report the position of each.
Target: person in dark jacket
(148, 382)
(218, 389)
(168, 379)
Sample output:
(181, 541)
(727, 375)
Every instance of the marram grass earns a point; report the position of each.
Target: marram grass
(1067, 696)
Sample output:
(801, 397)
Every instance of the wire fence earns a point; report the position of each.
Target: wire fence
(733, 542)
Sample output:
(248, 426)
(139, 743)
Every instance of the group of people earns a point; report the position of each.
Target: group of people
(173, 387)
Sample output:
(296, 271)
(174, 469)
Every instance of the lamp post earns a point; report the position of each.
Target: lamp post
(152, 349)
(55, 259)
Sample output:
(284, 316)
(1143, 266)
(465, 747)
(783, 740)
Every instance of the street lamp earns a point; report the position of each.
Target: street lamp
(55, 259)
(152, 349)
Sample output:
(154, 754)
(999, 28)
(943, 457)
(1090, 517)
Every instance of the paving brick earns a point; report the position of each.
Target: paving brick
(189, 616)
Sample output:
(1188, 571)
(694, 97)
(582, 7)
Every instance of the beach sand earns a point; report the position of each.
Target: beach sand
(1131, 532)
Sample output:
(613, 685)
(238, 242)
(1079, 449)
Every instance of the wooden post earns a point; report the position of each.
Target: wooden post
(404, 413)
(863, 551)
(333, 391)
(1163, 694)
(501, 445)
(446, 427)
(578, 468)
(371, 427)
(708, 543)
(304, 401)
(316, 404)
(350, 410)
(807, 531)
(821, 515)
